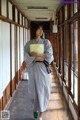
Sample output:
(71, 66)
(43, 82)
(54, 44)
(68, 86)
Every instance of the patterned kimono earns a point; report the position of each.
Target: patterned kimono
(39, 79)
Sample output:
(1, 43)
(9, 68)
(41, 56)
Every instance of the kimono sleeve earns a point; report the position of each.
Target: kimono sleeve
(48, 52)
(27, 58)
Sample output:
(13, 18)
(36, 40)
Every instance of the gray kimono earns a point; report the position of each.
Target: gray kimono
(39, 79)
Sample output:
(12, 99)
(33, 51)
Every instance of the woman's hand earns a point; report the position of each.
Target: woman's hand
(39, 59)
(33, 54)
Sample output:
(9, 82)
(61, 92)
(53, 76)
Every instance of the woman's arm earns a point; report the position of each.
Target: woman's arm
(48, 52)
(39, 57)
(27, 58)
(35, 54)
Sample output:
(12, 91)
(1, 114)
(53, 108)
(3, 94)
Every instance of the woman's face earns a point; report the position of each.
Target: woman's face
(39, 32)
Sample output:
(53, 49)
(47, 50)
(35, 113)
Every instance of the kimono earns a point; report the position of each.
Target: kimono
(39, 79)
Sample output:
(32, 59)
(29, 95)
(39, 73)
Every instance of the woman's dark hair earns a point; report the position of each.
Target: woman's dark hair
(33, 32)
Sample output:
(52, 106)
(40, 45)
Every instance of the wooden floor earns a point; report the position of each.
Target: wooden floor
(57, 108)
(21, 106)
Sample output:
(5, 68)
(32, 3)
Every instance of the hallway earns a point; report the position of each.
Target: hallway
(21, 106)
(60, 21)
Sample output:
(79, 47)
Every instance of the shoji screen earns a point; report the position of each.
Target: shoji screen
(16, 15)
(26, 35)
(10, 10)
(66, 54)
(4, 55)
(1, 63)
(75, 58)
(4, 8)
(18, 47)
(13, 51)
(21, 46)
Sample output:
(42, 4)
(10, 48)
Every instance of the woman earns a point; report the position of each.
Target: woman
(39, 72)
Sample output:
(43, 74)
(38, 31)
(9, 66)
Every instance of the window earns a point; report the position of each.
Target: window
(20, 19)
(72, 81)
(66, 43)
(66, 12)
(26, 22)
(76, 89)
(13, 50)
(16, 15)
(23, 21)
(18, 47)
(74, 60)
(66, 54)
(5, 53)
(21, 45)
(4, 8)
(27, 36)
(75, 6)
(72, 45)
(10, 10)
(75, 56)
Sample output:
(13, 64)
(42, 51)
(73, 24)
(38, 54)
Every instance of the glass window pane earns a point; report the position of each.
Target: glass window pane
(21, 46)
(66, 12)
(6, 53)
(72, 45)
(66, 73)
(76, 47)
(26, 23)
(18, 47)
(66, 53)
(20, 19)
(4, 8)
(10, 10)
(72, 81)
(23, 21)
(13, 50)
(16, 15)
(66, 43)
(76, 89)
(75, 6)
